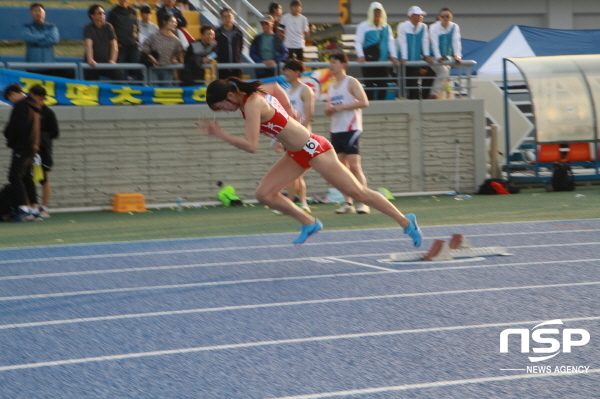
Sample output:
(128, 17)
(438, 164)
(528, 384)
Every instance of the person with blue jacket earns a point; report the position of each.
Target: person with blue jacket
(413, 45)
(40, 36)
(375, 42)
(267, 48)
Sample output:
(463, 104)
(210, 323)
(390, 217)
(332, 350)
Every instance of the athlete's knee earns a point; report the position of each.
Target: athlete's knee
(264, 196)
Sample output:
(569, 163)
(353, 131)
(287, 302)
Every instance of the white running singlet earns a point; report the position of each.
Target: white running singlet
(347, 120)
(295, 96)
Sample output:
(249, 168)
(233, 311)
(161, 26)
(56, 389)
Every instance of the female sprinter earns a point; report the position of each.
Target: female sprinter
(264, 114)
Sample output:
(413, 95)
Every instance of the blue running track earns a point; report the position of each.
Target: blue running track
(256, 317)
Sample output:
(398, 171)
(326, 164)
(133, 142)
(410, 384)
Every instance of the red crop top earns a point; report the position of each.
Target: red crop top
(273, 126)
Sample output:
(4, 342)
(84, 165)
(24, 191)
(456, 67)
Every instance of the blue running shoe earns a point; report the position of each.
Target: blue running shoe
(308, 230)
(413, 230)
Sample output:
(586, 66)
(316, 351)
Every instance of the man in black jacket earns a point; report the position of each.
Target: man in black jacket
(230, 40)
(169, 9)
(198, 56)
(23, 136)
(48, 132)
(124, 19)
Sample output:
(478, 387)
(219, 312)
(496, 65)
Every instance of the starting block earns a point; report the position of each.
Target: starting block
(459, 247)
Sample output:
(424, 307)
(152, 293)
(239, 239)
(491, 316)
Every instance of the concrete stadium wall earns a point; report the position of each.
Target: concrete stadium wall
(157, 151)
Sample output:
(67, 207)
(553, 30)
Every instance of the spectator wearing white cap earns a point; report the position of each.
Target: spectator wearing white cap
(446, 46)
(375, 42)
(413, 44)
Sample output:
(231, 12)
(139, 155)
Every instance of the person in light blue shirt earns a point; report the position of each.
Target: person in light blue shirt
(413, 45)
(375, 42)
(40, 36)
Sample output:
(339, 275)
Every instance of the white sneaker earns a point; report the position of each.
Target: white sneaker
(275, 211)
(44, 212)
(362, 209)
(305, 208)
(345, 209)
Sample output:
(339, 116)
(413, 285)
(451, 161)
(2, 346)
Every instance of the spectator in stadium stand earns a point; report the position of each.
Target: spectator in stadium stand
(147, 28)
(375, 42)
(101, 45)
(198, 56)
(169, 8)
(413, 45)
(280, 31)
(163, 48)
(124, 20)
(276, 11)
(40, 36)
(297, 30)
(446, 45)
(267, 48)
(230, 40)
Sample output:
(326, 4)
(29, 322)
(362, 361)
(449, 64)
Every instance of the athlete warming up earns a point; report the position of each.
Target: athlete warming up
(265, 115)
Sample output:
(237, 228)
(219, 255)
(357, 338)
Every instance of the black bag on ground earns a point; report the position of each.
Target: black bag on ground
(7, 202)
(562, 177)
(486, 188)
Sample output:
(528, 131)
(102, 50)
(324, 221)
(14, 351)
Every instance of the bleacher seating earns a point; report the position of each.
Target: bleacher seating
(192, 17)
(579, 152)
(549, 153)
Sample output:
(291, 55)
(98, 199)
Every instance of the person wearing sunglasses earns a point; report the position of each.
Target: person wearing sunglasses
(446, 46)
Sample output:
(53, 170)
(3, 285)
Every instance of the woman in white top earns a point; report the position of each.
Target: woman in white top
(446, 46)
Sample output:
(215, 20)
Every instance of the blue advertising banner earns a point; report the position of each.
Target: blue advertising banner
(62, 91)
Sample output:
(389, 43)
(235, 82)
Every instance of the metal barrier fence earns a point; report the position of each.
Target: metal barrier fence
(396, 81)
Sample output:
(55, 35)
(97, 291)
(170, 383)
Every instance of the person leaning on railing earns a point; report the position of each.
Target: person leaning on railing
(375, 42)
(199, 55)
(413, 45)
(101, 45)
(230, 40)
(163, 48)
(446, 46)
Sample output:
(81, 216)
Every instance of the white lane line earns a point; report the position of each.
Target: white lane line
(358, 263)
(283, 304)
(263, 261)
(273, 279)
(270, 343)
(158, 268)
(196, 239)
(435, 384)
(221, 249)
